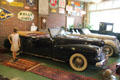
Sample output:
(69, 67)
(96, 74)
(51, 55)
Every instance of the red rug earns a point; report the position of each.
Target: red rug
(56, 74)
(21, 64)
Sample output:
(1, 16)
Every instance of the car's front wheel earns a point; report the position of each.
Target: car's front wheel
(108, 50)
(78, 62)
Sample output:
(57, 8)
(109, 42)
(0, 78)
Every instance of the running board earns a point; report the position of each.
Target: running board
(43, 57)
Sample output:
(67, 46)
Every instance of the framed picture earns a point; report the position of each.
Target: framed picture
(30, 2)
(43, 22)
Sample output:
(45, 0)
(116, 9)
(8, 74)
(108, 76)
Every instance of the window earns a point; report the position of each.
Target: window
(110, 16)
(70, 21)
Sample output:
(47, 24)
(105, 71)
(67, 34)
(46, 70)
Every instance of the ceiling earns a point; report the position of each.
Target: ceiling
(94, 0)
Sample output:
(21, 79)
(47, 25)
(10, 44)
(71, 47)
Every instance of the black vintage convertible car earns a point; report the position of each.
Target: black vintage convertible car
(78, 52)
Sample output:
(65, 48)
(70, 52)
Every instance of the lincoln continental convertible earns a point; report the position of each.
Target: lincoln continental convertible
(78, 52)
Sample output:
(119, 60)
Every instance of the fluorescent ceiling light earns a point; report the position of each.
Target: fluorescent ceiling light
(10, 0)
(96, 1)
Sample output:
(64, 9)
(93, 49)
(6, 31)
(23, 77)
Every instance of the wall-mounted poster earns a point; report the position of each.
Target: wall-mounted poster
(43, 7)
(53, 3)
(53, 10)
(69, 8)
(16, 4)
(25, 15)
(31, 2)
(5, 14)
(62, 3)
(3, 2)
(61, 10)
(77, 4)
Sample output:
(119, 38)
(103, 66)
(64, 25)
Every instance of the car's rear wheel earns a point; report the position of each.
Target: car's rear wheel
(78, 62)
(108, 50)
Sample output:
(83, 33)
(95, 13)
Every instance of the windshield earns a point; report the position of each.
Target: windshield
(57, 31)
(86, 31)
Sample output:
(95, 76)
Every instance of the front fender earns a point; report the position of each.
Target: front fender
(81, 48)
(112, 44)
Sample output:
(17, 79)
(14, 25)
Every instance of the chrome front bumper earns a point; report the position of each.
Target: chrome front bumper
(101, 63)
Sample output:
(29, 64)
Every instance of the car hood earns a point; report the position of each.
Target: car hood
(72, 39)
(100, 36)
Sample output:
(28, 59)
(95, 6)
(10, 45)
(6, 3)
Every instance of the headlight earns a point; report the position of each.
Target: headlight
(99, 50)
(98, 58)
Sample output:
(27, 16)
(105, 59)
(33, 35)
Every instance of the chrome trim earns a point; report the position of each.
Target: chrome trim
(101, 63)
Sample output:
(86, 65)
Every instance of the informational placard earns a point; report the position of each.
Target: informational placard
(5, 14)
(43, 7)
(62, 3)
(25, 15)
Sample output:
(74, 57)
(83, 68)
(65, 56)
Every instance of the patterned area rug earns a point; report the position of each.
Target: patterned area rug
(42, 69)
(56, 74)
(21, 64)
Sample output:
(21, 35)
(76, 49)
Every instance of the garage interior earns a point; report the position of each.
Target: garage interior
(98, 16)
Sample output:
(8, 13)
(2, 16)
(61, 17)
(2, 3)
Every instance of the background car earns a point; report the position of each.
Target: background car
(112, 44)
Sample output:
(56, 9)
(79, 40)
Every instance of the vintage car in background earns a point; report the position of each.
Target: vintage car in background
(112, 44)
(78, 52)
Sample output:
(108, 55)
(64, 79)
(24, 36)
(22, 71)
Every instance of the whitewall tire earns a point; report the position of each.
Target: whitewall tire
(78, 62)
(108, 50)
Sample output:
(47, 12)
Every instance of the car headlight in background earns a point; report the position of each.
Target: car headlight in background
(99, 50)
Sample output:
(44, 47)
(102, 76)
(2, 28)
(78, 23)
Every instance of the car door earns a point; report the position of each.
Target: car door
(37, 45)
(60, 49)
(44, 46)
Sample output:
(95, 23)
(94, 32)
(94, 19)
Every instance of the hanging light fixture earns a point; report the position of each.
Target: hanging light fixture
(10, 0)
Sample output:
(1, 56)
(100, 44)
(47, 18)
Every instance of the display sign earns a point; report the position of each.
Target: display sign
(53, 10)
(62, 3)
(31, 2)
(77, 4)
(17, 4)
(69, 8)
(25, 16)
(3, 2)
(61, 10)
(53, 3)
(5, 14)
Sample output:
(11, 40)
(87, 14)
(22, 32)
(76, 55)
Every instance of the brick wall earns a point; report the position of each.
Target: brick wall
(59, 20)
(7, 25)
